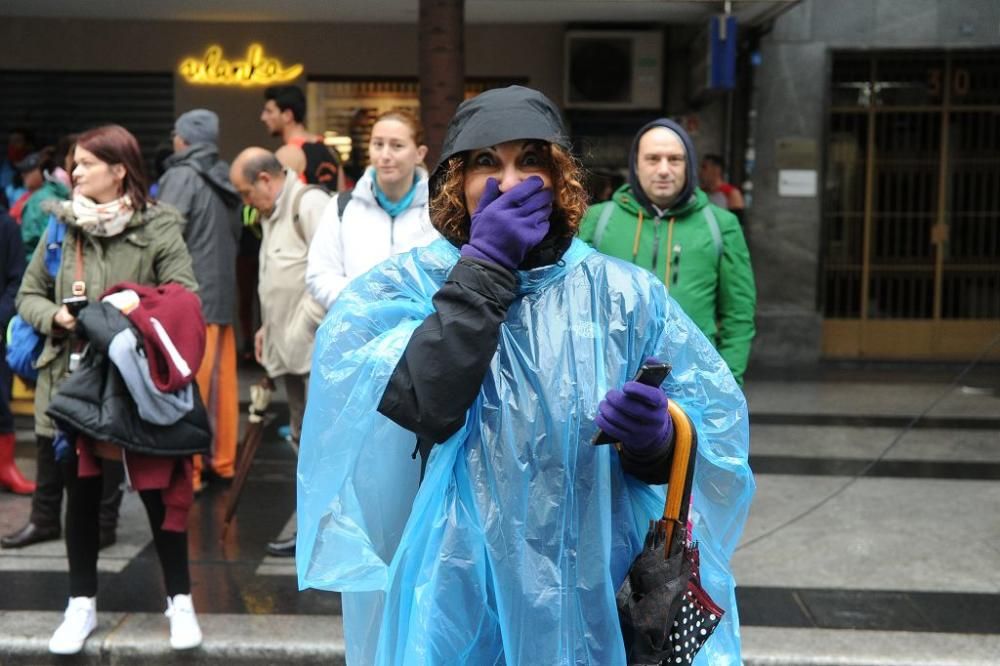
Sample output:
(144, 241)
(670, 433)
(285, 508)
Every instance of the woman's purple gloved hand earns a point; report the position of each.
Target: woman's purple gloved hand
(506, 226)
(637, 417)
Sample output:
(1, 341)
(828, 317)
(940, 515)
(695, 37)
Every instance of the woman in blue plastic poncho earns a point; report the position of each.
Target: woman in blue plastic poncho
(495, 354)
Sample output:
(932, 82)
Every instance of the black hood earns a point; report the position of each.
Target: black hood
(691, 173)
(500, 115)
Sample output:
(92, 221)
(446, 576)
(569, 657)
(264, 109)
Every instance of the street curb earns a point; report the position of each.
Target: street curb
(127, 639)
(133, 639)
(780, 646)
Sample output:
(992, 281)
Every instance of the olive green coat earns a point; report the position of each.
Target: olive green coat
(149, 251)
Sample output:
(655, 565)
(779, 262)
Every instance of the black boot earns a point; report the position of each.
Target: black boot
(31, 533)
(46, 501)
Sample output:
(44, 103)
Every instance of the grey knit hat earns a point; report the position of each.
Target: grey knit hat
(198, 126)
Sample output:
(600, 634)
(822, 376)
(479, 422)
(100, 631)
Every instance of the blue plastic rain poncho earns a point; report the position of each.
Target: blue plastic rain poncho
(511, 549)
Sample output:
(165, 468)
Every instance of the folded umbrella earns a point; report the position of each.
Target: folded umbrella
(666, 616)
(260, 398)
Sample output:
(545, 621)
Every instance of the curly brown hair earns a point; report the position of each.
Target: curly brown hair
(450, 215)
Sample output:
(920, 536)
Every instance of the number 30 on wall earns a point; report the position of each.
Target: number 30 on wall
(961, 82)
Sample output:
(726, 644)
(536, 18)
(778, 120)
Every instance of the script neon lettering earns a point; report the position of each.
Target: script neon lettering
(254, 70)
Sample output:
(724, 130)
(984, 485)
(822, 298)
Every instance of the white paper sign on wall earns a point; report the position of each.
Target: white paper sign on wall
(797, 182)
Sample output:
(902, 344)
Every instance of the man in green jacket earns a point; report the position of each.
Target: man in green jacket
(662, 221)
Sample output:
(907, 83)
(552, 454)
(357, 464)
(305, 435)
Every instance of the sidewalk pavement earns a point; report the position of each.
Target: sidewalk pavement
(844, 560)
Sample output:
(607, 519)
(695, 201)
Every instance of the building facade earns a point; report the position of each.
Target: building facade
(894, 107)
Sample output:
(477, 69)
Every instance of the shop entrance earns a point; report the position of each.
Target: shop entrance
(911, 211)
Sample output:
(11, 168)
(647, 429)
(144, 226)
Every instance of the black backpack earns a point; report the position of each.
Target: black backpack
(322, 165)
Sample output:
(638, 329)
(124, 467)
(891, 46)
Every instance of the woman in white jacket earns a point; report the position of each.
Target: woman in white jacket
(386, 215)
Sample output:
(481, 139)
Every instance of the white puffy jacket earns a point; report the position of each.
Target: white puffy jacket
(345, 248)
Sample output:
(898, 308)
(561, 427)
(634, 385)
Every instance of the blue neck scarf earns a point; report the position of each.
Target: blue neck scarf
(394, 208)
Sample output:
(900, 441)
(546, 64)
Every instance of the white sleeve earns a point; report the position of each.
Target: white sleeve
(325, 273)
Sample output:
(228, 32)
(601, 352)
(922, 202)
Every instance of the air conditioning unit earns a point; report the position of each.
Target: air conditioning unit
(613, 70)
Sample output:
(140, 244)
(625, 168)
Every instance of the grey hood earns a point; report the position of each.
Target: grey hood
(204, 158)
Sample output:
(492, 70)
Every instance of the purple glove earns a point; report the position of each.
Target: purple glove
(637, 417)
(506, 226)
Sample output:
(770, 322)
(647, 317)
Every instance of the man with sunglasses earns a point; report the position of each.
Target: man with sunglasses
(660, 220)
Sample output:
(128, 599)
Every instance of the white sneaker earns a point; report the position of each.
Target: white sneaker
(79, 621)
(184, 630)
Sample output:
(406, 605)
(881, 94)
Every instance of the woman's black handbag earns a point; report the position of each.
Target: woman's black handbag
(665, 614)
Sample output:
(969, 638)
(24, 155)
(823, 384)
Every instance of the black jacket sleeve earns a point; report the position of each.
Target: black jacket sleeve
(444, 364)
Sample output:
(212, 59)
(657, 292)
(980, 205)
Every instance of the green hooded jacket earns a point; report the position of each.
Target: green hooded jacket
(711, 281)
(150, 250)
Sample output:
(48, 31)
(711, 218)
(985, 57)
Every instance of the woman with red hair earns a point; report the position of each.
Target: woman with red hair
(113, 233)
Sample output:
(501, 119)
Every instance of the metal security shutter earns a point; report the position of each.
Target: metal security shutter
(51, 104)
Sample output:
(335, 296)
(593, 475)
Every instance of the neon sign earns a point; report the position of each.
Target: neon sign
(254, 70)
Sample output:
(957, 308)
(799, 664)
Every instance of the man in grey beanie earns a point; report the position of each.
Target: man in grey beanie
(197, 183)
(196, 126)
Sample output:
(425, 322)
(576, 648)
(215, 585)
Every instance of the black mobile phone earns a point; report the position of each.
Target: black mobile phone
(650, 374)
(74, 304)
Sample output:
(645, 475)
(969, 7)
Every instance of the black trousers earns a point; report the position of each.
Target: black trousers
(83, 507)
(50, 475)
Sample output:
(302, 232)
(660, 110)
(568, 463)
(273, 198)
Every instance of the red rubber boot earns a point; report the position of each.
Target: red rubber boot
(10, 475)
